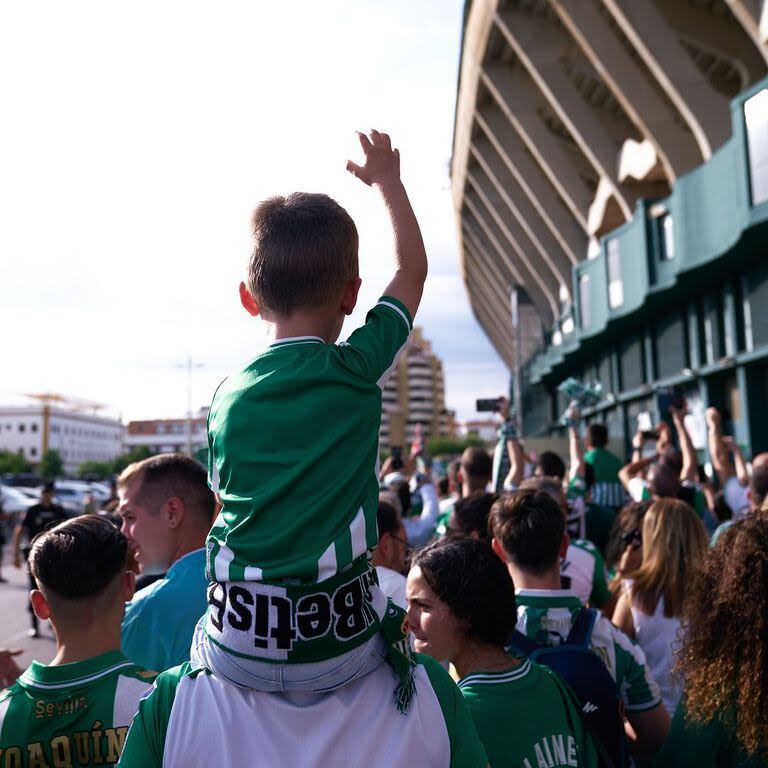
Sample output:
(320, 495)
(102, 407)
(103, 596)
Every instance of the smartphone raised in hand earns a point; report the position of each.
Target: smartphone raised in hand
(487, 404)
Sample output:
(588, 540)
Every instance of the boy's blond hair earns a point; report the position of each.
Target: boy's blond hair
(304, 252)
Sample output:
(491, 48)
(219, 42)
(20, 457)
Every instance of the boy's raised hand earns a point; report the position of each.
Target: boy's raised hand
(382, 163)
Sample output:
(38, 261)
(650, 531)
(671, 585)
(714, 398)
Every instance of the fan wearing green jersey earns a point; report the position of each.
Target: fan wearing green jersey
(462, 609)
(294, 452)
(76, 710)
(529, 536)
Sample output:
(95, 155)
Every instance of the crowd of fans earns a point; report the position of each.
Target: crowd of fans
(302, 606)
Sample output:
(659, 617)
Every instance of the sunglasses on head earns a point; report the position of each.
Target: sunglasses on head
(632, 537)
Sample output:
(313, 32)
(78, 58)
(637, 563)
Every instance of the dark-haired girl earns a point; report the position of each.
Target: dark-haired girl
(461, 608)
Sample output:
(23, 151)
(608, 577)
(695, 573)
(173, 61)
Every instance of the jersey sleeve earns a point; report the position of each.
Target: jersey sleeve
(373, 350)
(145, 743)
(600, 594)
(466, 749)
(638, 688)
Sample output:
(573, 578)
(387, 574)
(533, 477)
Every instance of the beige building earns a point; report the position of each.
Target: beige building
(415, 394)
(569, 113)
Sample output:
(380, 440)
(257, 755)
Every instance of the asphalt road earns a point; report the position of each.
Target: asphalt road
(14, 619)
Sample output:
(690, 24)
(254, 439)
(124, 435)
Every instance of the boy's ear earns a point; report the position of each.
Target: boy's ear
(499, 550)
(248, 302)
(349, 297)
(40, 605)
(564, 544)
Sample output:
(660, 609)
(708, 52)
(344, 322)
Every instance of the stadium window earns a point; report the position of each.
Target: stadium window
(756, 118)
(667, 229)
(584, 302)
(615, 285)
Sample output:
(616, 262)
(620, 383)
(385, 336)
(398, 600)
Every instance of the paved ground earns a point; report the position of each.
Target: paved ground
(14, 619)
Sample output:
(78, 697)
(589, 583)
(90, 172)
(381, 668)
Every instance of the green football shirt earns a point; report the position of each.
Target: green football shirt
(71, 714)
(293, 445)
(607, 489)
(525, 716)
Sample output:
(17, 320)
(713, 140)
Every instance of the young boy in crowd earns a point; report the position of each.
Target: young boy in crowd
(293, 447)
(77, 709)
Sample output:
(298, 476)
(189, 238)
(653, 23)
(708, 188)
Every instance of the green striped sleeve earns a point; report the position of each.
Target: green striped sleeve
(145, 743)
(373, 350)
(466, 749)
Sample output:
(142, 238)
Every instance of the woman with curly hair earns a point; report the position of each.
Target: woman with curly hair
(649, 610)
(722, 719)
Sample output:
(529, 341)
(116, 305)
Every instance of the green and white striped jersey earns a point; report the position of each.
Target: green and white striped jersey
(293, 453)
(194, 719)
(72, 714)
(525, 716)
(583, 572)
(607, 490)
(546, 616)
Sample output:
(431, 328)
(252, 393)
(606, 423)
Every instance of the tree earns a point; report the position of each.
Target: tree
(446, 445)
(95, 470)
(13, 463)
(51, 465)
(139, 453)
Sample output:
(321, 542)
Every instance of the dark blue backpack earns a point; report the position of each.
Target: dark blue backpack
(588, 677)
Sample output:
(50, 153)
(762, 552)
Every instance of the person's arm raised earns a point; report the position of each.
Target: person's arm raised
(382, 170)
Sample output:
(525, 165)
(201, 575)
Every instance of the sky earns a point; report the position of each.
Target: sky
(138, 137)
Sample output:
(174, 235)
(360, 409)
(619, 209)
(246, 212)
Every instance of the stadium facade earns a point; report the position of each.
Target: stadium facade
(610, 182)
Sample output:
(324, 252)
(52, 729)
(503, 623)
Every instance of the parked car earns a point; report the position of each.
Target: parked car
(15, 503)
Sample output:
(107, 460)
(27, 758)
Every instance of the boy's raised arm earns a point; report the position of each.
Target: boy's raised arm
(382, 170)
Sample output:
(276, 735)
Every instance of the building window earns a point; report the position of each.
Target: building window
(584, 302)
(33, 427)
(33, 451)
(756, 118)
(615, 285)
(667, 229)
(22, 427)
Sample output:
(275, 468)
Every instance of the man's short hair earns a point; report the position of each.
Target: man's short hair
(79, 558)
(758, 485)
(597, 435)
(663, 481)
(470, 515)
(551, 465)
(167, 475)
(388, 518)
(476, 463)
(529, 525)
(304, 252)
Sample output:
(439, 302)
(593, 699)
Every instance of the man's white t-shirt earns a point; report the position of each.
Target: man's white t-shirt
(194, 719)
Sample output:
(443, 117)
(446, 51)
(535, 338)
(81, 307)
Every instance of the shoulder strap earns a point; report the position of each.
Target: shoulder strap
(581, 630)
(522, 643)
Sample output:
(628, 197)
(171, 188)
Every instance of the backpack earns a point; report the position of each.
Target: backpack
(588, 678)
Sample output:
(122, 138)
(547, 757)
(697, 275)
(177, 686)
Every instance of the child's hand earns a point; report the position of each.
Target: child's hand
(382, 163)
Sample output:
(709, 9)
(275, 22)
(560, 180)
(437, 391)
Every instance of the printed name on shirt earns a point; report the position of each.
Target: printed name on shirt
(278, 620)
(58, 708)
(97, 746)
(552, 752)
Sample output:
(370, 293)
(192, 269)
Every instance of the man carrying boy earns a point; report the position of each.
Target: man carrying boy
(77, 709)
(300, 646)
